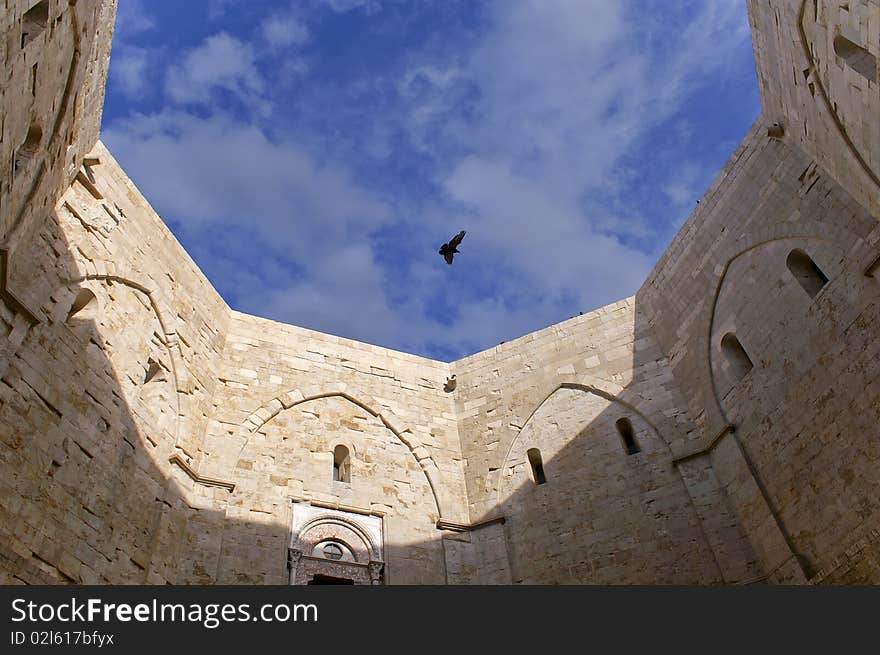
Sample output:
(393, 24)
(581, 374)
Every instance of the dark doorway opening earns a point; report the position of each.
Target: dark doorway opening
(329, 579)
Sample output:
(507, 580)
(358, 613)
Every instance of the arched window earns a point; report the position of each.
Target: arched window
(856, 57)
(736, 355)
(28, 148)
(84, 306)
(332, 551)
(625, 428)
(155, 371)
(34, 22)
(341, 464)
(534, 456)
(805, 271)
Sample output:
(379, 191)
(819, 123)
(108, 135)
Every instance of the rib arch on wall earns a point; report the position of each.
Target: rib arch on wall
(169, 339)
(716, 418)
(271, 409)
(717, 285)
(605, 389)
(808, 48)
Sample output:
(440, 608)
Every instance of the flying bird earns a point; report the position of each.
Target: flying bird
(449, 249)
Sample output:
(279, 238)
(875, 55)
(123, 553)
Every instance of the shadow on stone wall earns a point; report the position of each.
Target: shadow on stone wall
(608, 514)
(90, 419)
(89, 411)
(88, 424)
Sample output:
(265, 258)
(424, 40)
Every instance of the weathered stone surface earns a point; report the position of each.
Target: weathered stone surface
(150, 434)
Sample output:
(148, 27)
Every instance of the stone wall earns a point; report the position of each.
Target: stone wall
(793, 438)
(718, 427)
(820, 80)
(55, 55)
(603, 516)
(289, 396)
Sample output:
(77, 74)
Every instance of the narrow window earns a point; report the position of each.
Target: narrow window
(83, 306)
(154, 371)
(34, 22)
(736, 355)
(805, 271)
(856, 57)
(534, 456)
(29, 148)
(341, 464)
(625, 428)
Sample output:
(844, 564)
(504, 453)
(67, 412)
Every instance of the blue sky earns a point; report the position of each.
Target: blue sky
(313, 155)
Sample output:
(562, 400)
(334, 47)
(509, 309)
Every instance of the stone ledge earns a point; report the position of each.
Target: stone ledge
(452, 526)
(207, 482)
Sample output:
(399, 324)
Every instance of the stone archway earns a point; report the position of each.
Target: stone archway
(332, 546)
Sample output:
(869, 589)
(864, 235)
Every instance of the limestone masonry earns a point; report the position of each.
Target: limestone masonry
(722, 426)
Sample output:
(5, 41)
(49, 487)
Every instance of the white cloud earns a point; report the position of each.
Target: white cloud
(221, 168)
(519, 224)
(284, 31)
(525, 137)
(128, 70)
(294, 67)
(221, 62)
(567, 90)
(294, 233)
(346, 283)
(342, 6)
(132, 18)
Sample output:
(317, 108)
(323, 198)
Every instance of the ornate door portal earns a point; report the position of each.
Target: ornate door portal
(330, 546)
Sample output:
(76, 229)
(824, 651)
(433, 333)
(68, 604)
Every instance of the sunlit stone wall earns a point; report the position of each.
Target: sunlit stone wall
(718, 427)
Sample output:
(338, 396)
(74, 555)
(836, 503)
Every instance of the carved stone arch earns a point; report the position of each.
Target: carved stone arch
(818, 57)
(335, 543)
(763, 238)
(168, 338)
(605, 389)
(716, 419)
(53, 141)
(365, 549)
(389, 419)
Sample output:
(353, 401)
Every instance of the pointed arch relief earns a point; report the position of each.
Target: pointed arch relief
(155, 376)
(757, 288)
(257, 419)
(597, 499)
(605, 403)
(845, 73)
(707, 338)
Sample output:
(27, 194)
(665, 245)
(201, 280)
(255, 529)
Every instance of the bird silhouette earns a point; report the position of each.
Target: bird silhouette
(448, 249)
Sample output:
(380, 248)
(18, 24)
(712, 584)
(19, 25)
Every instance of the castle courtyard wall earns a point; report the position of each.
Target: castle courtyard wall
(719, 427)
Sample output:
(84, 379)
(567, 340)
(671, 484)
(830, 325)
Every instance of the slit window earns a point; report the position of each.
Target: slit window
(341, 464)
(83, 306)
(856, 57)
(29, 148)
(155, 372)
(34, 22)
(806, 272)
(625, 428)
(736, 355)
(537, 465)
